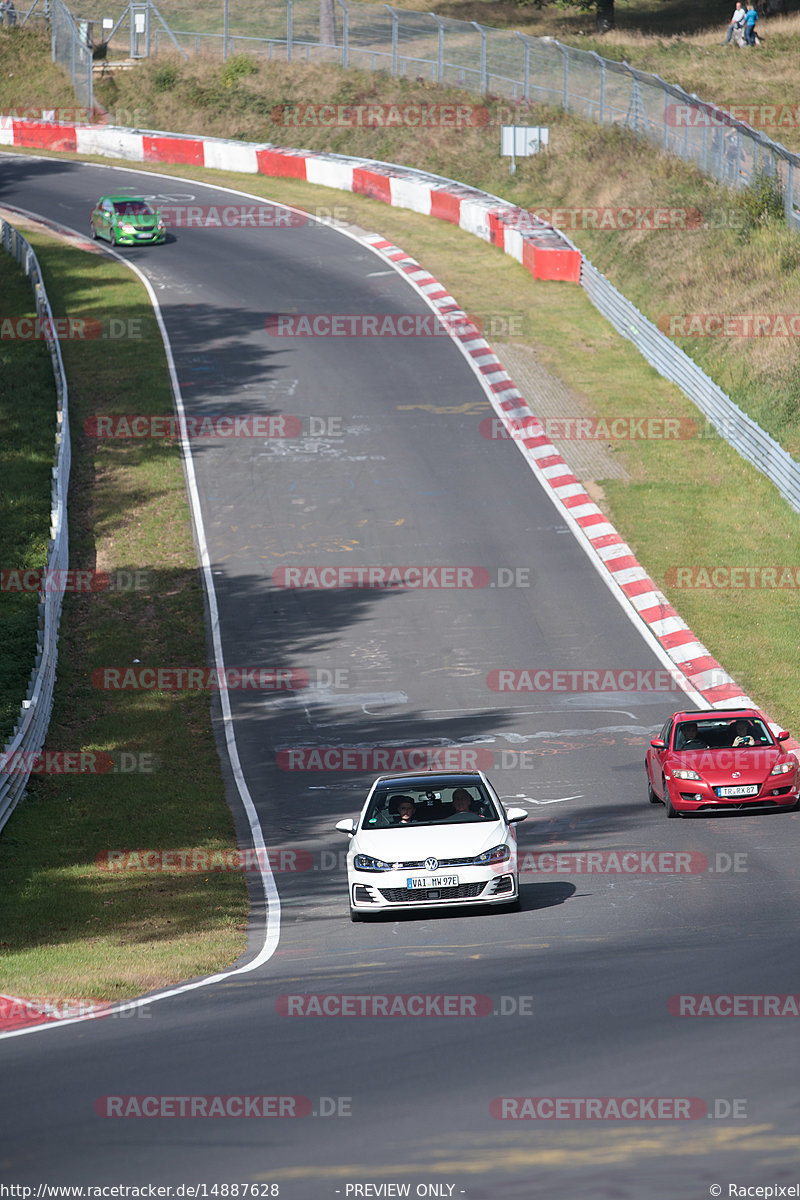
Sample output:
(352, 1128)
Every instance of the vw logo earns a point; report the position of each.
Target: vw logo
(431, 864)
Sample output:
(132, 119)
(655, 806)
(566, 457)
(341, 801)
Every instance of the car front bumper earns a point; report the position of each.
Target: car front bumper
(692, 795)
(374, 891)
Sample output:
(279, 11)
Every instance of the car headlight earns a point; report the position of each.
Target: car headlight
(363, 862)
(685, 773)
(128, 228)
(782, 768)
(495, 855)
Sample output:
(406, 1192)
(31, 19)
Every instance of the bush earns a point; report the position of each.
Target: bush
(237, 68)
(761, 200)
(165, 78)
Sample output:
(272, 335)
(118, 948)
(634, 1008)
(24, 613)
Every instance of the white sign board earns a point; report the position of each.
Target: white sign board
(108, 22)
(139, 22)
(518, 141)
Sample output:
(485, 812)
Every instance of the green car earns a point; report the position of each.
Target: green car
(126, 221)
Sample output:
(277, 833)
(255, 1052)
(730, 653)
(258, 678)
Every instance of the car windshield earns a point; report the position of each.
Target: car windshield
(133, 208)
(404, 804)
(722, 734)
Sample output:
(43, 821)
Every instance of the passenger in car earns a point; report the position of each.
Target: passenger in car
(743, 734)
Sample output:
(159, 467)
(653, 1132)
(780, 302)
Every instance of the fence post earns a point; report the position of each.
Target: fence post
(345, 33)
(288, 31)
(788, 195)
(225, 32)
(602, 63)
(439, 47)
(483, 84)
(394, 37)
(526, 66)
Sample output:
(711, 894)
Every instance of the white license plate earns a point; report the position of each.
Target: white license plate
(435, 881)
(749, 789)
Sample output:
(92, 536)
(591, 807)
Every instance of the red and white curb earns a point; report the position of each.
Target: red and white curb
(540, 247)
(704, 676)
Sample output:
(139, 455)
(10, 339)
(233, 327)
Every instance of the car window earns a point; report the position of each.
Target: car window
(132, 208)
(720, 733)
(430, 807)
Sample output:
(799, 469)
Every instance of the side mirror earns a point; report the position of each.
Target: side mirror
(346, 826)
(783, 735)
(515, 814)
(658, 743)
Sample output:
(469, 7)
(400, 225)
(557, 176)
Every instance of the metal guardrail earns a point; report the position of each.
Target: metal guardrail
(746, 437)
(29, 733)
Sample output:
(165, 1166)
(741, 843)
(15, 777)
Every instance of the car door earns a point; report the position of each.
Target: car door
(655, 759)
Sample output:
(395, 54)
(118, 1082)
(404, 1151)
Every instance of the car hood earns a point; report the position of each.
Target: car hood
(139, 220)
(718, 766)
(430, 841)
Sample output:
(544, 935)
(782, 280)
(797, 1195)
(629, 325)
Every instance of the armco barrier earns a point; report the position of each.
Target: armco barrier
(29, 733)
(543, 249)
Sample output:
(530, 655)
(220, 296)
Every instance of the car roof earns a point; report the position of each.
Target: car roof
(132, 199)
(719, 713)
(430, 776)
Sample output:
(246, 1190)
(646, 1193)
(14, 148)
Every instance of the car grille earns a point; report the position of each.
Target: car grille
(443, 862)
(465, 891)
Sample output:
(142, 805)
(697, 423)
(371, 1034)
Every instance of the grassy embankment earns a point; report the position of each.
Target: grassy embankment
(68, 926)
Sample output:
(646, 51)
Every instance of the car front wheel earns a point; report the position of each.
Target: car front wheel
(112, 237)
(670, 807)
(94, 232)
(651, 796)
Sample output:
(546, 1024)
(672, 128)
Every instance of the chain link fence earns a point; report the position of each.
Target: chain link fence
(29, 734)
(514, 67)
(464, 54)
(71, 52)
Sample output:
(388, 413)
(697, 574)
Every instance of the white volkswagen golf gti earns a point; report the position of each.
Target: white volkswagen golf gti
(423, 841)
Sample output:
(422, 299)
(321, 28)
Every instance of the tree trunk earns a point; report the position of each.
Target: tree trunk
(605, 15)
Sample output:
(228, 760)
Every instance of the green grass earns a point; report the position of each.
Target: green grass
(70, 927)
(27, 446)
